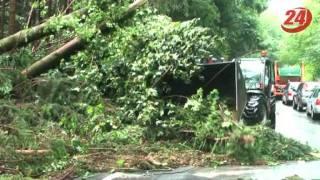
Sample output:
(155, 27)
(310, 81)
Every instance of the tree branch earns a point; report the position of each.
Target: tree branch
(53, 59)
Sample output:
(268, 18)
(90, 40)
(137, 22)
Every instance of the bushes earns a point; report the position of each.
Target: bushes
(126, 135)
(250, 144)
(65, 120)
(62, 120)
(6, 85)
(136, 59)
(279, 147)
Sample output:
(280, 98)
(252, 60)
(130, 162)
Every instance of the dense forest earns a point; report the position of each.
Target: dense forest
(84, 86)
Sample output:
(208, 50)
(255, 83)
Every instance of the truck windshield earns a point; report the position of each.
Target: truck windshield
(252, 72)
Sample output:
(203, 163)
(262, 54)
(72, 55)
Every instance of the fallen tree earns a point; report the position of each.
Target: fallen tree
(54, 58)
(31, 152)
(27, 36)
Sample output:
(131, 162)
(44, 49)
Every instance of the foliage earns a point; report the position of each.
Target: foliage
(127, 135)
(60, 119)
(6, 85)
(236, 22)
(18, 131)
(261, 143)
(210, 120)
(271, 33)
(10, 66)
(217, 132)
(206, 11)
(135, 81)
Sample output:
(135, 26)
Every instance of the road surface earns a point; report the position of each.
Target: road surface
(297, 125)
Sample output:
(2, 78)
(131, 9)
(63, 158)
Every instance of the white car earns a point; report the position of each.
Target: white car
(288, 92)
(313, 104)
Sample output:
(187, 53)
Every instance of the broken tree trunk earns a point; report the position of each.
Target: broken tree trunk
(12, 16)
(53, 59)
(30, 152)
(2, 18)
(29, 35)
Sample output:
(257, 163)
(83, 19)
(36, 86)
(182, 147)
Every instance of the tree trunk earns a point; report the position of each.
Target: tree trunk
(12, 16)
(53, 59)
(38, 15)
(38, 19)
(30, 17)
(54, 7)
(24, 37)
(30, 152)
(29, 35)
(50, 10)
(62, 5)
(68, 8)
(2, 18)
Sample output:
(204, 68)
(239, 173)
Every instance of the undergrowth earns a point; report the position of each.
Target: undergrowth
(69, 130)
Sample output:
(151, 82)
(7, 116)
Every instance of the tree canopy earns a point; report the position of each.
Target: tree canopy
(235, 21)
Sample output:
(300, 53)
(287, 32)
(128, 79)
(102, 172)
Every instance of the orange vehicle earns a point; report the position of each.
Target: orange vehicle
(285, 73)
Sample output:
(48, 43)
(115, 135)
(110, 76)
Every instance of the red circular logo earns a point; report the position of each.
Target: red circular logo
(298, 19)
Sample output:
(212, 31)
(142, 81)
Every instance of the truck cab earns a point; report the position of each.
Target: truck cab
(285, 73)
(259, 80)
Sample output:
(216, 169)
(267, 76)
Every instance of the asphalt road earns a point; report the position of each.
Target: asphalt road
(297, 125)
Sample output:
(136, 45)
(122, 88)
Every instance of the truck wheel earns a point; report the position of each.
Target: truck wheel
(308, 114)
(314, 116)
(294, 105)
(299, 107)
(284, 102)
(273, 120)
(263, 115)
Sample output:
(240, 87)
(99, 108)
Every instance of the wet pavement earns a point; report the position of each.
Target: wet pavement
(305, 170)
(297, 125)
(290, 123)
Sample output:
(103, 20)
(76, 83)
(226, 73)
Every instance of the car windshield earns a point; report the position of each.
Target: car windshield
(252, 71)
(308, 87)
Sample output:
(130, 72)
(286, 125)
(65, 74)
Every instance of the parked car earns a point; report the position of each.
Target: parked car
(288, 92)
(313, 104)
(303, 92)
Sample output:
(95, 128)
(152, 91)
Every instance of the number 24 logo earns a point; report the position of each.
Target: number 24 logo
(300, 16)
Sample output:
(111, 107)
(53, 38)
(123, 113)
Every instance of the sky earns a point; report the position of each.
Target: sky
(279, 7)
